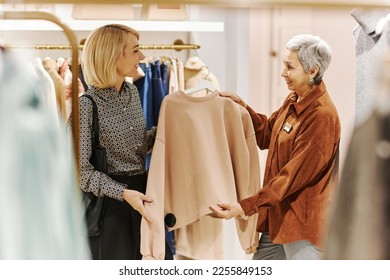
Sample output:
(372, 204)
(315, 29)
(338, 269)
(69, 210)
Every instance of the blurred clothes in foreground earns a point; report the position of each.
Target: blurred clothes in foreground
(40, 203)
(360, 223)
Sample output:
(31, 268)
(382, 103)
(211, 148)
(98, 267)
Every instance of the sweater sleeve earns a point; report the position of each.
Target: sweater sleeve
(248, 185)
(153, 234)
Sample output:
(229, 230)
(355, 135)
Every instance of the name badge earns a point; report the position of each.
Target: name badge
(287, 127)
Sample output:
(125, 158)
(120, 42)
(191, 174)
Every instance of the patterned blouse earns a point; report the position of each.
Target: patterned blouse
(123, 134)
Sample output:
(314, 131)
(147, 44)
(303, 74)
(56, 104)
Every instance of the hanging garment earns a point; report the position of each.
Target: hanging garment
(180, 74)
(359, 224)
(40, 205)
(152, 88)
(202, 240)
(48, 89)
(158, 89)
(66, 75)
(205, 152)
(81, 77)
(173, 77)
(50, 66)
(164, 77)
(144, 86)
(369, 47)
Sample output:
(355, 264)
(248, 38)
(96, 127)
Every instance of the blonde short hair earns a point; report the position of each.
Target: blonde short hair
(101, 51)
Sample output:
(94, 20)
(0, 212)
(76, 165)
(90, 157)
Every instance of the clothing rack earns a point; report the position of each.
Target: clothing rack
(177, 47)
(26, 15)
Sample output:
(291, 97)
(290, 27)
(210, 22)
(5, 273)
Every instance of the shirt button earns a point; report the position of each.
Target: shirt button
(253, 211)
(131, 128)
(124, 109)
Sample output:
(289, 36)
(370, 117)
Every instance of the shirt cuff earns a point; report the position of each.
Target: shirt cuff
(116, 190)
(249, 206)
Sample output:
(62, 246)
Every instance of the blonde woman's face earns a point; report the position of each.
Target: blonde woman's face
(127, 64)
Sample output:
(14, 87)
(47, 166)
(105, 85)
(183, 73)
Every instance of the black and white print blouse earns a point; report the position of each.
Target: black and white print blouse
(123, 134)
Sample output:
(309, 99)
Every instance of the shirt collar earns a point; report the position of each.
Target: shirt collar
(308, 100)
(111, 93)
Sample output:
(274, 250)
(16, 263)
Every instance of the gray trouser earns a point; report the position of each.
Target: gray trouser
(268, 250)
(297, 250)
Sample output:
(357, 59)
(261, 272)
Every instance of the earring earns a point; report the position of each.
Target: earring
(310, 81)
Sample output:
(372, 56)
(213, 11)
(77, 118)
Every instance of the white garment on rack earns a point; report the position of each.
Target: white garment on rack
(40, 201)
(48, 89)
(180, 74)
(173, 77)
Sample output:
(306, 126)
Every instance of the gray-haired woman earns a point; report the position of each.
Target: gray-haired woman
(302, 138)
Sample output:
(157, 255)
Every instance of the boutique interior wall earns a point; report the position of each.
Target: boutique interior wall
(247, 58)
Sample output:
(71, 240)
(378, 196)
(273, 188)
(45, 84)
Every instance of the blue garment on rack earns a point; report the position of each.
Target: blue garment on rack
(144, 86)
(140, 84)
(158, 90)
(152, 88)
(164, 77)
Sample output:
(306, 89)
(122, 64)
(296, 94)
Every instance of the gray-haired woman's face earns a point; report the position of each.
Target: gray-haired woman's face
(293, 73)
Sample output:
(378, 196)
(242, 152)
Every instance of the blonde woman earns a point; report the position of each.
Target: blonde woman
(111, 53)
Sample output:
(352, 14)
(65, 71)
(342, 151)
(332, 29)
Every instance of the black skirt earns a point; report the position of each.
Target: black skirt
(120, 238)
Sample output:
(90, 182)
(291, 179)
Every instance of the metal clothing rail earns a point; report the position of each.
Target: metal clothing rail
(26, 15)
(177, 47)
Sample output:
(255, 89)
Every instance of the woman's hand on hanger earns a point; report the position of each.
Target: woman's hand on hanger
(234, 97)
(137, 200)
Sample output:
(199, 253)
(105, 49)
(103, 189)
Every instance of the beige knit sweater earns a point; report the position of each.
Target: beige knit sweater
(205, 152)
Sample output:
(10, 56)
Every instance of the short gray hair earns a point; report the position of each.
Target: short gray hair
(312, 51)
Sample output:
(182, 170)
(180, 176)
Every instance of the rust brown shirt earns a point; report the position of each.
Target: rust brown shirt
(302, 139)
